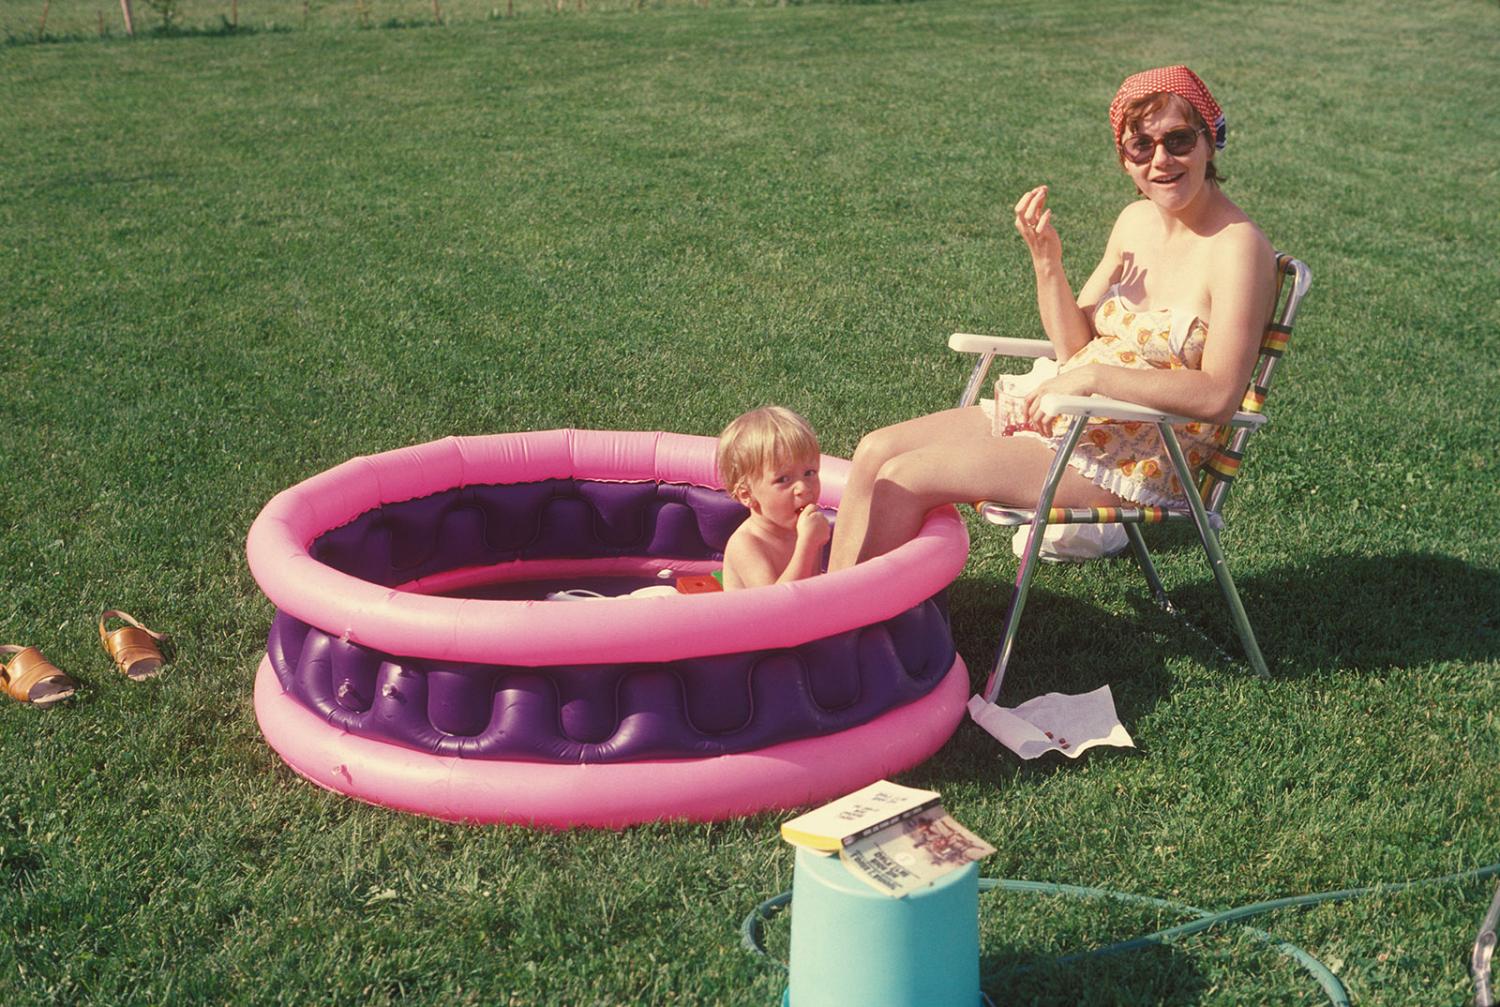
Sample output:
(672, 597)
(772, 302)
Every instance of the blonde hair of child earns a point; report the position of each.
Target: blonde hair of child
(763, 437)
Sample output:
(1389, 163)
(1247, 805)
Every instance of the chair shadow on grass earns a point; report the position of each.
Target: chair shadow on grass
(1344, 612)
(1060, 648)
(1339, 613)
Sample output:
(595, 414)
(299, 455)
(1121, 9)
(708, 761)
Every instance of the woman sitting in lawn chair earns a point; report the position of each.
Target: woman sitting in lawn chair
(1171, 318)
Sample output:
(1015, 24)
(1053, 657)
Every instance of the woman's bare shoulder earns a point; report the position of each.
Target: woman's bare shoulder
(1241, 241)
(1241, 266)
(1132, 228)
(1137, 213)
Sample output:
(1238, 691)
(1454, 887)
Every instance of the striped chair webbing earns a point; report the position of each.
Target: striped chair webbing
(1014, 516)
(1223, 466)
(1225, 463)
(1216, 475)
(1272, 346)
(1275, 340)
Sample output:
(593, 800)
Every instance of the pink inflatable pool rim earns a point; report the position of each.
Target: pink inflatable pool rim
(403, 619)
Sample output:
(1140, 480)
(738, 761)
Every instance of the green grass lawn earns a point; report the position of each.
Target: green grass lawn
(228, 262)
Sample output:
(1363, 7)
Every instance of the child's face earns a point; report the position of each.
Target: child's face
(782, 489)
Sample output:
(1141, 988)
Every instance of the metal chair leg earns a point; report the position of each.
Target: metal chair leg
(1143, 560)
(1484, 954)
(1032, 557)
(1210, 540)
(975, 383)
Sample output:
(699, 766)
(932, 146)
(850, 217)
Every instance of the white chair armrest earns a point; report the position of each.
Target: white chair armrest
(1114, 409)
(1252, 420)
(1005, 346)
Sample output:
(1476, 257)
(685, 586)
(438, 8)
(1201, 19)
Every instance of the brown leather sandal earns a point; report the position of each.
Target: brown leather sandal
(133, 648)
(31, 678)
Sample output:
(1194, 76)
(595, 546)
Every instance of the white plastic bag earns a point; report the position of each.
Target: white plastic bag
(1073, 543)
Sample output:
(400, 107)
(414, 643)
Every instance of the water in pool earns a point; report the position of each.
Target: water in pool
(612, 586)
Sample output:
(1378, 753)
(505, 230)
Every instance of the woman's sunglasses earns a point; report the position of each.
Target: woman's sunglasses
(1140, 148)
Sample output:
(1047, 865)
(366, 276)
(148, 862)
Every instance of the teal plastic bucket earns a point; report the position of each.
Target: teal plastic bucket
(852, 945)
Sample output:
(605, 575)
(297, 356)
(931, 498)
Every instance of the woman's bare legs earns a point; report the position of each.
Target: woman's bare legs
(899, 473)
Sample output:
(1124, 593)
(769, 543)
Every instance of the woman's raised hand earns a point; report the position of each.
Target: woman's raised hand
(1034, 223)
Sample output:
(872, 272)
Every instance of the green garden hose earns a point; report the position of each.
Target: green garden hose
(751, 936)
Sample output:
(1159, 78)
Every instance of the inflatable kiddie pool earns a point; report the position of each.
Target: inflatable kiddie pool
(414, 663)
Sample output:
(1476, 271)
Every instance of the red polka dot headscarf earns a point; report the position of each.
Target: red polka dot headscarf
(1178, 80)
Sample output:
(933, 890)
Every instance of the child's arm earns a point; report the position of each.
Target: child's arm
(752, 561)
(812, 535)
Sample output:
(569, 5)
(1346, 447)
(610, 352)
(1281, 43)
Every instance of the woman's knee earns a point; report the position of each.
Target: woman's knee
(903, 473)
(875, 449)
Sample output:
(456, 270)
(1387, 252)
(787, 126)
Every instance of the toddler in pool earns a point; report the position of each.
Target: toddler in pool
(768, 460)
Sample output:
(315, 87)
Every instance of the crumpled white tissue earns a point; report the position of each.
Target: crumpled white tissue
(1054, 722)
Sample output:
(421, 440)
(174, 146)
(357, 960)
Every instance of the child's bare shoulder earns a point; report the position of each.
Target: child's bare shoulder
(749, 558)
(746, 540)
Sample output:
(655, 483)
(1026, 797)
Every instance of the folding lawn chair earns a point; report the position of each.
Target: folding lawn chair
(1203, 509)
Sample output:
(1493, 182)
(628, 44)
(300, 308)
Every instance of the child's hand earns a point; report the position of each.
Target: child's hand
(812, 527)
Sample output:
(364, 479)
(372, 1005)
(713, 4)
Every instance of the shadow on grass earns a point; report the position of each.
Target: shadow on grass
(1339, 613)
(1064, 645)
(221, 29)
(1359, 613)
(403, 23)
(1014, 975)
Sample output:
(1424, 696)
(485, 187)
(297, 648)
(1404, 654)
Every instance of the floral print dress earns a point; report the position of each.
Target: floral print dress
(1128, 459)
